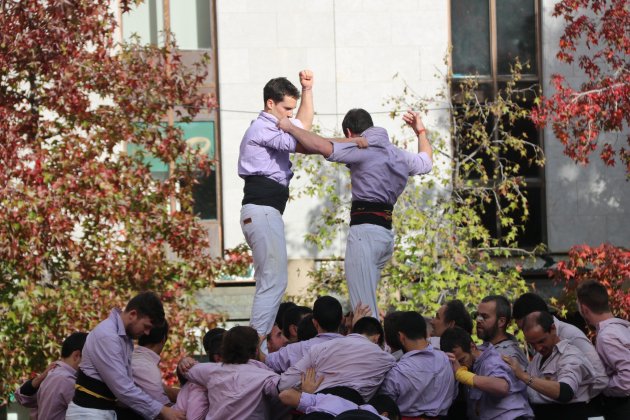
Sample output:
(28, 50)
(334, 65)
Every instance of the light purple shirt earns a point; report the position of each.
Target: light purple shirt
(380, 172)
(106, 356)
(56, 392)
(331, 404)
(613, 346)
(485, 406)
(192, 399)
(147, 375)
(352, 361)
(576, 337)
(236, 391)
(265, 150)
(421, 383)
(27, 401)
(565, 364)
(511, 347)
(290, 354)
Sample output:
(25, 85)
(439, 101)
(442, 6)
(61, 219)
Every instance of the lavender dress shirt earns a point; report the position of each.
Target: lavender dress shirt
(106, 356)
(613, 346)
(421, 383)
(192, 399)
(290, 354)
(147, 375)
(380, 172)
(27, 401)
(56, 392)
(512, 348)
(352, 361)
(485, 406)
(236, 391)
(331, 404)
(265, 150)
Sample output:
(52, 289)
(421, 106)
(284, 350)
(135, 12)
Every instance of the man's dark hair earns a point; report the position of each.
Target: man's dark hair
(72, 343)
(292, 316)
(284, 306)
(328, 313)
(413, 325)
(370, 326)
(155, 336)
(503, 309)
(456, 312)
(276, 89)
(528, 303)
(305, 329)
(212, 342)
(147, 304)
(455, 337)
(391, 328)
(542, 318)
(239, 345)
(357, 120)
(594, 296)
(384, 403)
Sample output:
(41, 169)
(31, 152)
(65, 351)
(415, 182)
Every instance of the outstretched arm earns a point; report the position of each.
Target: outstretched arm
(414, 121)
(306, 110)
(311, 142)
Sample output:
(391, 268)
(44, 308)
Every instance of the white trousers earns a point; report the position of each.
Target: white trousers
(263, 228)
(369, 248)
(76, 412)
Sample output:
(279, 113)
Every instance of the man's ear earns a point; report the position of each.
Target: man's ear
(292, 330)
(76, 355)
(502, 321)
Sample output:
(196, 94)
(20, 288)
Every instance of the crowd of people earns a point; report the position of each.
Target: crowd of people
(318, 363)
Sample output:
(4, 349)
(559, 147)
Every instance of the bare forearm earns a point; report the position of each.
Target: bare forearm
(424, 145)
(545, 387)
(311, 142)
(306, 111)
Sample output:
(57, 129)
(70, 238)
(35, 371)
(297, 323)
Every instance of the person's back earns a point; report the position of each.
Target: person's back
(56, 392)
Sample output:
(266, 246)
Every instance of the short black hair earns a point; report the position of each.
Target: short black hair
(503, 309)
(542, 318)
(284, 306)
(390, 328)
(384, 403)
(72, 343)
(594, 296)
(292, 316)
(357, 120)
(328, 313)
(147, 304)
(370, 326)
(239, 345)
(413, 325)
(212, 341)
(456, 312)
(455, 337)
(155, 336)
(305, 329)
(528, 303)
(276, 89)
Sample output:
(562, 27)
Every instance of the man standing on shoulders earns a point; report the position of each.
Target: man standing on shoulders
(379, 175)
(494, 314)
(613, 347)
(105, 375)
(265, 166)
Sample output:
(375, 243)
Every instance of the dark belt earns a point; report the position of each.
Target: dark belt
(363, 212)
(92, 393)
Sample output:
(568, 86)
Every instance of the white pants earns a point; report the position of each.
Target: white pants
(76, 412)
(263, 228)
(369, 248)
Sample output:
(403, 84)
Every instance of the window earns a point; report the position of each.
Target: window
(487, 36)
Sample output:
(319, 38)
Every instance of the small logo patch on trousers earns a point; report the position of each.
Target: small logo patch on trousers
(247, 221)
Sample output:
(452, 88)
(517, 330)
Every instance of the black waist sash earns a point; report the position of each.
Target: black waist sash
(92, 393)
(373, 213)
(263, 191)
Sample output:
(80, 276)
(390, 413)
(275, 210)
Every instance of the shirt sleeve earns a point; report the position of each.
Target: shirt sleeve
(419, 163)
(571, 371)
(279, 360)
(199, 374)
(270, 386)
(28, 401)
(347, 153)
(149, 379)
(293, 376)
(391, 385)
(616, 356)
(274, 138)
(109, 361)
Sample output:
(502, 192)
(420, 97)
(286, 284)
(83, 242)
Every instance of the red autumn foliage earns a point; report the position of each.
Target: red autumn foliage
(595, 36)
(83, 226)
(607, 264)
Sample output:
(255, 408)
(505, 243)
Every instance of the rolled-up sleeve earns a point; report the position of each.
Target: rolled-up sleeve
(279, 360)
(571, 371)
(419, 163)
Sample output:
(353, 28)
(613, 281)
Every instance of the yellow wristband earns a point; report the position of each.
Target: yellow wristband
(462, 375)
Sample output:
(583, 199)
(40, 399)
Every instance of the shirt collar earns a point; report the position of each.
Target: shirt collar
(268, 116)
(150, 354)
(428, 348)
(114, 315)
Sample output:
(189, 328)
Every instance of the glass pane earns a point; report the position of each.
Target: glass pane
(471, 37)
(190, 22)
(145, 20)
(516, 34)
(205, 197)
(532, 234)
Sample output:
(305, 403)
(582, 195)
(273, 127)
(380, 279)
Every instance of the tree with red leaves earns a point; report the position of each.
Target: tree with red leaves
(83, 225)
(596, 36)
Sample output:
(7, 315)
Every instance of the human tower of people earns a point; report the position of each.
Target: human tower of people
(315, 363)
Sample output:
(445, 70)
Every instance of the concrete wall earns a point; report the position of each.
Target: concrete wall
(585, 205)
(354, 47)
